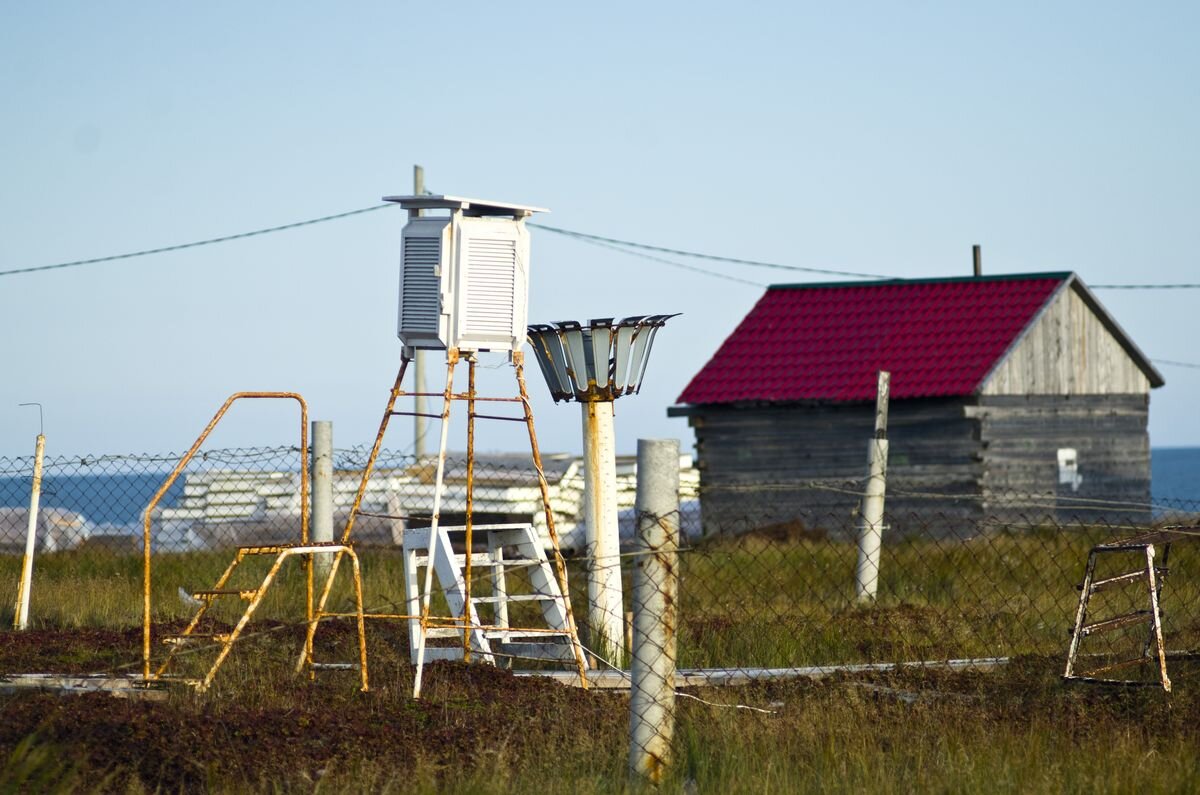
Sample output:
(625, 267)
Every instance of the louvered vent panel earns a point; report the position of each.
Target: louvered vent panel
(420, 285)
(491, 287)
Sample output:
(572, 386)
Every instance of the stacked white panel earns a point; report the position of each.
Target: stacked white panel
(425, 273)
(492, 285)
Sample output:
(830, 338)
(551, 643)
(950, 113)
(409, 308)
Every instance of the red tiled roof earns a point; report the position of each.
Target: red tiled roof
(828, 341)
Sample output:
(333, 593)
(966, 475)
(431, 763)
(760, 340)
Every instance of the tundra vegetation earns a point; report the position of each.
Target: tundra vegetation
(754, 601)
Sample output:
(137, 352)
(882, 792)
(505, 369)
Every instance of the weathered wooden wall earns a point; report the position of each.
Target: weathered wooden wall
(1067, 351)
(758, 464)
(1021, 437)
(952, 463)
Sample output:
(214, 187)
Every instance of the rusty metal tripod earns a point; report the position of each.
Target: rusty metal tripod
(465, 622)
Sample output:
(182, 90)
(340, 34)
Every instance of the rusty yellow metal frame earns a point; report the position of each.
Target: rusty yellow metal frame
(183, 462)
(255, 597)
(448, 396)
(560, 567)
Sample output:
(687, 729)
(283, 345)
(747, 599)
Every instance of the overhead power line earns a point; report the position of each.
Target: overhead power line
(1176, 364)
(1145, 286)
(195, 243)
(673, 263)
(699, 255)
(630, 247)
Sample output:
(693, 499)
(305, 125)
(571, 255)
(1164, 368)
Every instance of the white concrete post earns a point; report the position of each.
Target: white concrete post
(870, 531)
(606, 607)
(21, 613)
(322, 494)
(655, 610)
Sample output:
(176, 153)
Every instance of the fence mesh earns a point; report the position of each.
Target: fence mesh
(767, 571)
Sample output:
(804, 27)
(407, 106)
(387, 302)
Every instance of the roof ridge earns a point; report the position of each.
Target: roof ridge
(997, 277)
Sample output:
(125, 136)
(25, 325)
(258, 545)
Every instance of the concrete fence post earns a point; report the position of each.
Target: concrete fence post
(322, 494)
(655, 610)
(870, 531)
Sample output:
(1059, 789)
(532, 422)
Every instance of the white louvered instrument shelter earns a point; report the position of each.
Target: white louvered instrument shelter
(464, 276)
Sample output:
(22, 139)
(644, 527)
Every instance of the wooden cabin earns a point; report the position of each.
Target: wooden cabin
(1014, 399)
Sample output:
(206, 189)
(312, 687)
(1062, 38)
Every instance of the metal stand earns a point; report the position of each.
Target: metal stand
(1149, 576)
(464, 622)
(252, 593)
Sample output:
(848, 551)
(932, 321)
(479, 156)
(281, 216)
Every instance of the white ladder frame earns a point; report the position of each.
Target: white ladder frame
(448, 566)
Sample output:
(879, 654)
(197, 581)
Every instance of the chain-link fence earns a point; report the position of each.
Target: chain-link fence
(761, 580)
(769, 571)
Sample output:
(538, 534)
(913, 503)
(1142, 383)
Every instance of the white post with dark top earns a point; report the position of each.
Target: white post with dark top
(870, 531)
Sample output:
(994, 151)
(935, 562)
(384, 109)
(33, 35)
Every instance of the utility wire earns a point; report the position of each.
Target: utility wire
(1144, 286)
(609, 242)
(1176, 364)
(755, 263)
(196, 243)
(672, 263)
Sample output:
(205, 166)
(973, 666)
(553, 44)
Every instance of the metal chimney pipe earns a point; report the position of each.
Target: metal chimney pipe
(977, 258)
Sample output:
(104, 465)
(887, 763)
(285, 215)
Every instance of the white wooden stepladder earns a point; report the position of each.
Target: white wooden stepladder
(499, 638)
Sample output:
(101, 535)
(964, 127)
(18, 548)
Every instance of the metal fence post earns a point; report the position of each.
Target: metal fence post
(870, 531)
(655, 609)
(21, 617)
(322, 493)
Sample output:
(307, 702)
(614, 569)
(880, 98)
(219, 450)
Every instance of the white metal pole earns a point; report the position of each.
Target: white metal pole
(606, 607)
(420, 404)
(655, 610)
(870, 531)
(322, 493)
(21, 617)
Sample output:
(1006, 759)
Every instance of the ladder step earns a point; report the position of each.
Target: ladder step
(273, 549)
(515, 562)
(179, 640)
(334, 666)
(509, 635)
(562, 652)
(1123, 579)
(1127, 545)
(1136, 617)
(244, 593)
(1093, 680)
(1119, 665)
(484, 559)
(443, 632)
(513, 537)
(523, 597)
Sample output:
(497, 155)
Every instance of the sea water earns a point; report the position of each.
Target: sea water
(115, 502)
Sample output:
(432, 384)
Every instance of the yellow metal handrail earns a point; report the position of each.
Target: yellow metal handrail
(183, 462)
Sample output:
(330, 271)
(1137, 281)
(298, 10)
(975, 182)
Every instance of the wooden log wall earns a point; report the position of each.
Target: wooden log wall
(952, 463)
(1021, 437)
(770, 465)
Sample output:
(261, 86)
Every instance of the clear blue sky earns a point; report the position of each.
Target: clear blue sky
(884, 138)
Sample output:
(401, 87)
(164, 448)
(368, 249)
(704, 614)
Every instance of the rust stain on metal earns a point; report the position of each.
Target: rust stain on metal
(470, 540)
(560, 568)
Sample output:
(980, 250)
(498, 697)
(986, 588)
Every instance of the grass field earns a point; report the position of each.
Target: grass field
(753, 602)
